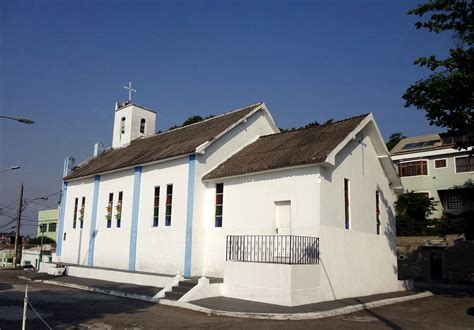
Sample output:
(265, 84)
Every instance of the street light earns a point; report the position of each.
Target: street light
(19, 119)
(11, 168)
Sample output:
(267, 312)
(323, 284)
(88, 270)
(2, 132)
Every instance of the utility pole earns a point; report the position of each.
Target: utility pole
(17, 233)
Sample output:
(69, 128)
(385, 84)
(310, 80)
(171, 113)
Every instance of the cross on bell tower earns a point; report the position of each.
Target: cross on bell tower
(130, 90)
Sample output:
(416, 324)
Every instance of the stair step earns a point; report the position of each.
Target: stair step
(181, 289)
(173, 295)
(189, 284)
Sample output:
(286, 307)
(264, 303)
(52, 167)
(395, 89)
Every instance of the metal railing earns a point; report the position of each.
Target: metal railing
(277, 249)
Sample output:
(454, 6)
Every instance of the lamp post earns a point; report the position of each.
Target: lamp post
(19, 119)
(42, 229)
(11, 168)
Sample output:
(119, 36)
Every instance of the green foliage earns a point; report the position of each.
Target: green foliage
(393, 139)
(37, 240)
(447, 94)
(311, 124)
(412, 210)
(191, 120)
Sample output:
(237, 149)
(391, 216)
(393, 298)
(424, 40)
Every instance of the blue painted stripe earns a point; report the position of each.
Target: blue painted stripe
(189, 216)
(93, 231)
(135, 206)
(59, 239)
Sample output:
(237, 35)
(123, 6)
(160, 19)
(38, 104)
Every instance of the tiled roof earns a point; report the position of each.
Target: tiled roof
(302, 147)
(173, 143)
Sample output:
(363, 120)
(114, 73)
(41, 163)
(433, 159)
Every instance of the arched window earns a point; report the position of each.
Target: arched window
(122, 125)
(142, 126)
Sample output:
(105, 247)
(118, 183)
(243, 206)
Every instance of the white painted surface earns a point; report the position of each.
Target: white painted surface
(133, 115)
(287, 285)
(119, 276)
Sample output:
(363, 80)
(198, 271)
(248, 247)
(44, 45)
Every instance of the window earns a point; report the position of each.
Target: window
(118, 214)
(81, 212)
(219, 204)
(169, 202)
(122, 125)
(74, 219)
(377, 211)
(43, 228)
(413, 168)
(52, 227)
(464, 164)
(64, 237)
(454, 202)
(142, 126)
(109, 207)
(156, 206)
(440, 163)
(346, 204)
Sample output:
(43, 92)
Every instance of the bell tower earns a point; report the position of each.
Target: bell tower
(132, 121)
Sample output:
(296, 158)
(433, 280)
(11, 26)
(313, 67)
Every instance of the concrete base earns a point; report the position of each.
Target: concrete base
(114, 275)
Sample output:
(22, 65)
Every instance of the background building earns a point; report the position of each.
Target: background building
(429, 164)
(48, 222)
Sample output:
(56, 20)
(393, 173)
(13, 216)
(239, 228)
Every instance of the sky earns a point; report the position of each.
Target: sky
(63, 64)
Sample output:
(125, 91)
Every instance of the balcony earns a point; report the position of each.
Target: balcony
(274, 249)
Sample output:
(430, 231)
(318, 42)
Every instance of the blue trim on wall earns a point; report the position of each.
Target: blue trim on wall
(189, 216)
(59, 239)
(93, 232)
(135, 207)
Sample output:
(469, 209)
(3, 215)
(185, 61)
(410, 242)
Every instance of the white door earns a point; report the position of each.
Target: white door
(283, 217)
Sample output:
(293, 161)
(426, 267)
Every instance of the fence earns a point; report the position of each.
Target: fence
(279, 249)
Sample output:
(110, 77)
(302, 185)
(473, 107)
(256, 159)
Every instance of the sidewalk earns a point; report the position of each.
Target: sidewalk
(231, 307)
(126, 290)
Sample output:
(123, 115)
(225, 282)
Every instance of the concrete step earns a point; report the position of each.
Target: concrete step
(173, 295)
(181, 289)
(188, 283)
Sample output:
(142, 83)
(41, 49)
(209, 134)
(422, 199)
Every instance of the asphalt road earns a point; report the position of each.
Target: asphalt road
(66, 308)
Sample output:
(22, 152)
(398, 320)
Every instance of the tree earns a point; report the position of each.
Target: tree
(191, 120)
(447, 95)
(393, 139)
(37, 240)
(412, 210)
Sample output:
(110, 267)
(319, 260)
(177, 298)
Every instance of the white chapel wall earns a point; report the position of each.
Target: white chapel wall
(357, 261)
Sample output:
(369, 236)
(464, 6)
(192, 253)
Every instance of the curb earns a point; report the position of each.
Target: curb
(246, 315)
(297, 316)
(91, 289)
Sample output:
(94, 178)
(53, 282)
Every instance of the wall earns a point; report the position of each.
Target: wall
(75, 246)
(287, 285)
(357, 261)
(161, 249)
(437, 178)
(249, 209)
(47, 217)
(112, 245)
(133, 115)
(415, 260)
(206, 239)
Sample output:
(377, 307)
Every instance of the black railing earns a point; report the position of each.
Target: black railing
(276, 249)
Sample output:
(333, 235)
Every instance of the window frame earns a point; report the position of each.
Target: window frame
(109, 208)
(347, 204)
(156, 207)
(49, 227)
(74, 216)
(142, 126)
(122, 125)
(445, 166)
(413, 161)
(168, 217)
(119, 210)
(456, 166)
(460, 202)
(218, 223)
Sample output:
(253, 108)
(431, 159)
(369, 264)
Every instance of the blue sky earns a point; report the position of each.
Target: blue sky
(63, 64)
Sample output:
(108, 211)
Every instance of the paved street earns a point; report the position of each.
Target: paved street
(64, 307)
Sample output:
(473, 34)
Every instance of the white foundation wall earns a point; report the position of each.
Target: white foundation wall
(258, 124)
(112, 245)
(357, 261)
(76, 245)
(249, 209)
(161, 249)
